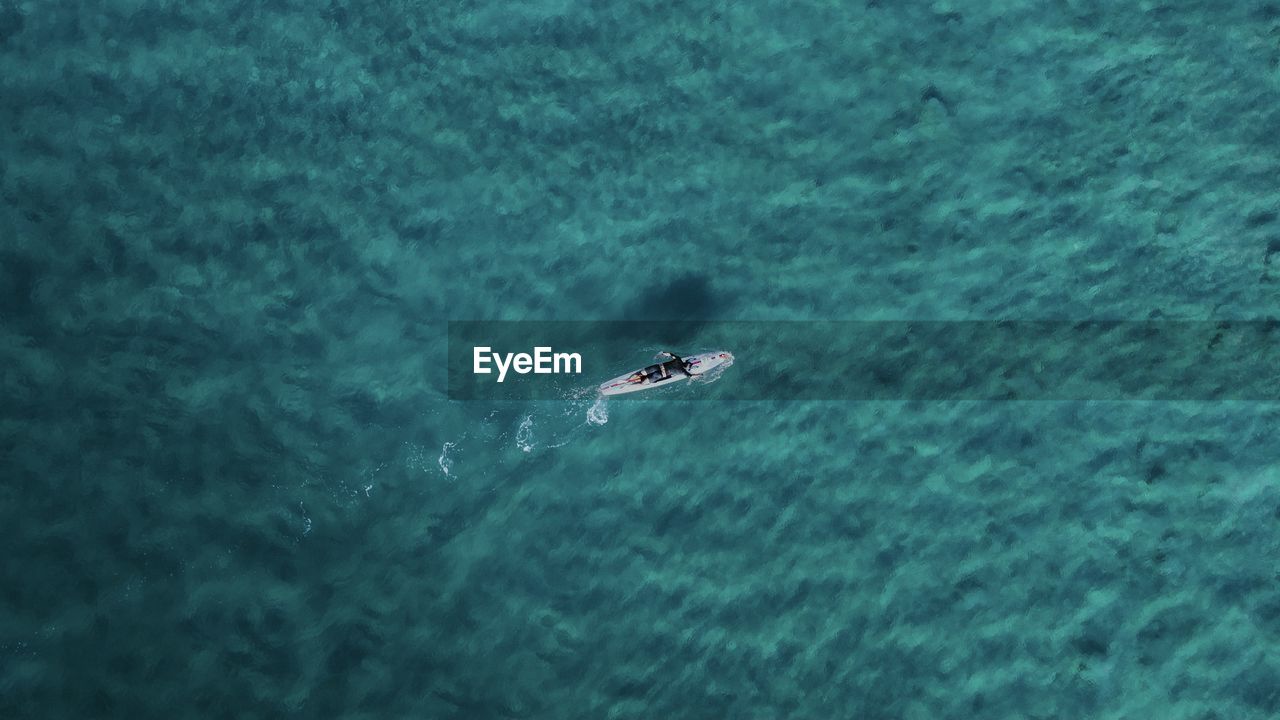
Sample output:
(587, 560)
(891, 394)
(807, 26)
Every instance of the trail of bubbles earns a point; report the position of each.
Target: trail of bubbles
(545, 430)
(544, 426)
(444, 461)
(524, 435)
(598, 413)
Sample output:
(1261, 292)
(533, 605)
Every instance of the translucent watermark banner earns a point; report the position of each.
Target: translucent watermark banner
(895, 360)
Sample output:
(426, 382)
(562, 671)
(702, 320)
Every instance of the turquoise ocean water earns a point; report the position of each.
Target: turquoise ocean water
(232, 485)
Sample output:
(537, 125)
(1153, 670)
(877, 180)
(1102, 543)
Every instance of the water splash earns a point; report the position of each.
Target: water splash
(598, 413)
(444, 461)
(524, 435)
(539, 427)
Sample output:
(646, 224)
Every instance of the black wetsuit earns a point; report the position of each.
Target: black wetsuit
(684, 364)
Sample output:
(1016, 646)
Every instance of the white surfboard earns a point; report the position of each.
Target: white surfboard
(667, 373)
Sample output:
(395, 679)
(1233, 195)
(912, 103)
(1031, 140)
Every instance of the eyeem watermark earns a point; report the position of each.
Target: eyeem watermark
(543, 361)
(984, 360)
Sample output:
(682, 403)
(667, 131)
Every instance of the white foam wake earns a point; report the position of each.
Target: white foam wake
(598, 413)
(445, 462)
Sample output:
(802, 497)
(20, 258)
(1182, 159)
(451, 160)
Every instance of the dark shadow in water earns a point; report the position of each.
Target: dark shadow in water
(689, 299)
(17, 282)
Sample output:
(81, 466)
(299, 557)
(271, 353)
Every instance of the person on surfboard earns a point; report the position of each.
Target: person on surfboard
(684, 364)
(662, 371)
